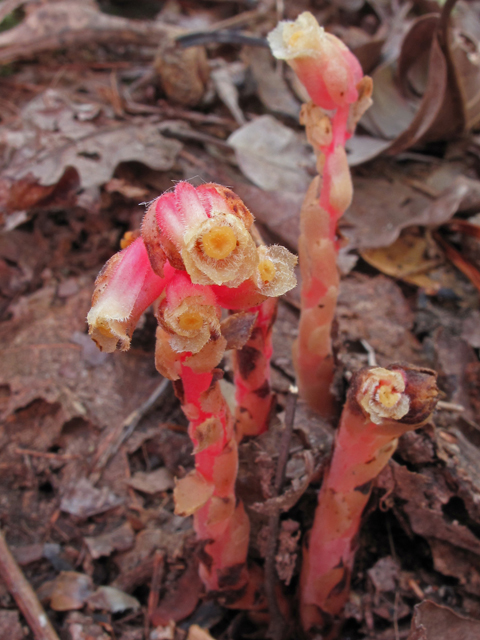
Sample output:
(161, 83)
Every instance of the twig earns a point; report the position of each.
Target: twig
(46, 454)
(277, 626)
(157, 576)
(24, 595)
(449, 406)
(220, 37)
(463, 265)
(124, 431)
(395, 615)
(372, 360)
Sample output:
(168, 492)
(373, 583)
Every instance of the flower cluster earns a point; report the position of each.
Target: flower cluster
(197, 255)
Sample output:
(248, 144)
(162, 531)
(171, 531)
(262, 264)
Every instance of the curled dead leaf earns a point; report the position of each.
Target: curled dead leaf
(433, 622)
(291, 496)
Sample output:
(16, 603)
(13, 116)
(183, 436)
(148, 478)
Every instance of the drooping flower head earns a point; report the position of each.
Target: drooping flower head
(189, 331)
(324, 65)
(203, 230)
(196, 244)
(124, 288)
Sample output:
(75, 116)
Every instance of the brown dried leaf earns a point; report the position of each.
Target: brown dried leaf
(464, 54)
(82, 627)
(223, 77)
(453, 562)
(375, 310)
(84, 500)
(53, 139)
(288, 548)
(153, 482)
(391, 113)
(383, 207)
(272, 155)
(272, 89)
(181, 600)
(197, 633)
(445, 76)
(434, 622)
(425, 495)
(70, 591)
(120, 539)
(40, 359)
(439, 114)
(385, 574)
(146, 543)
(409, 258)
(292, 495)
(112, 600)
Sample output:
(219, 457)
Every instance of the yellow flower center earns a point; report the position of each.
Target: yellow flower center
(294, 38)
(267, 270)
(103, 328)
(219, 243)
(190, 321)
(128, 238)
(387, 396)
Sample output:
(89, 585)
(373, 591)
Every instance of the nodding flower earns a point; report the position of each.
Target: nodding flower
(382, 395)
(124, 289)
(203, 230)
(274, 274)
(189, 332)
(324, 65)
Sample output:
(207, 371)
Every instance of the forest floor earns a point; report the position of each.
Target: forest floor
(102, 109)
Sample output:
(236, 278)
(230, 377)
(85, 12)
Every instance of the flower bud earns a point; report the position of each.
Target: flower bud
(324, 65)
(124, 289)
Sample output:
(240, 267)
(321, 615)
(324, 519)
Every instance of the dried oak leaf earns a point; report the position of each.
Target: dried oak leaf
(40, 359)
(272, 155)
(272, 88)
(434, 622)
(70, 591)
(435, 93)
(52, 139)
(181, 598)
(119, 539)
(152, 482)
(382, 207)
(112, 600)
(84, 500)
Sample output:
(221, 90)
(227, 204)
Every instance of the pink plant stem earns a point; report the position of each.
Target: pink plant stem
(318, 249)
(363, 446)
(252, 374)
(220, 523)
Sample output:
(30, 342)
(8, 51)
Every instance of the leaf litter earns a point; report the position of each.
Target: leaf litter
(96, 118)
